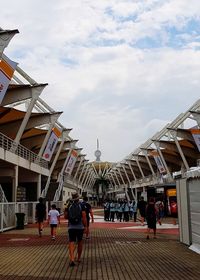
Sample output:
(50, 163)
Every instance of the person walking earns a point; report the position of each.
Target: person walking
(160, 211)
(40, 215)
(107, 210)
(135, 210)
(151, 215)
(76, 216)
(89, 214)
(126, 211)
(120, 210)
(142, 209)
(131, 209)
(112, 211)
(53, 220)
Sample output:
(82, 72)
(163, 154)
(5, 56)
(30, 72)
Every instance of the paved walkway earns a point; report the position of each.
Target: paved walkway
(115, 251)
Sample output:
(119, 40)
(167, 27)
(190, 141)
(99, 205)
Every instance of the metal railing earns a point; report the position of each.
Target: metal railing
(2, 195)
(9, 145)
(8, 212)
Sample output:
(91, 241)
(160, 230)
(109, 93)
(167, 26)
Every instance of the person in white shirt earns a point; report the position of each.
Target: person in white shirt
(53, 220)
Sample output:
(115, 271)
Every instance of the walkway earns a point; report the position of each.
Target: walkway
(115, 251)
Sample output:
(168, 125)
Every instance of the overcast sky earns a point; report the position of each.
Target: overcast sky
(118, 69)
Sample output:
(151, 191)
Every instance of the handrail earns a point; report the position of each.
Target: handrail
(2, 196)
(9, 145)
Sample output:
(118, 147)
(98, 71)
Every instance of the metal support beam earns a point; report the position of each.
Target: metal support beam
(117, 178)
(132, 171)
(174, 135)
(139, 166)
(78, 168)
(162, 158)
(84, 175)
(126, 174)
(36, 91)
(145, 153)
(5, 38)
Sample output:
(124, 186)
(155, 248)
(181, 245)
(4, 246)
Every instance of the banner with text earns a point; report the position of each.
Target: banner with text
(158, 161)
(71, 162)
(196, 136)
(51, 144)
(7, 69)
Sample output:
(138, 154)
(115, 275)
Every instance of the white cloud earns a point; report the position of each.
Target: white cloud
(107, 87)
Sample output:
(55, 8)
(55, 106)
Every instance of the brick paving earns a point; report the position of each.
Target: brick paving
(114, 251)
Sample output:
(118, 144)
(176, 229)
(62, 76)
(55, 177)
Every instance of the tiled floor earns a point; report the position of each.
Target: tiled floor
(115, 251)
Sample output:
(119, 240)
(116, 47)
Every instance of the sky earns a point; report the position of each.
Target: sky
(120, 70)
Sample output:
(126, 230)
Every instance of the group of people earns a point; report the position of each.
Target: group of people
(53, 217)
(78, 214)
(122, 210)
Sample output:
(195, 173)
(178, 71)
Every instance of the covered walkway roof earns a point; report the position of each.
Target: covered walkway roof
(173, 149)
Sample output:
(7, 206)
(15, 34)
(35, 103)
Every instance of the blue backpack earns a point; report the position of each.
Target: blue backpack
(75, 213)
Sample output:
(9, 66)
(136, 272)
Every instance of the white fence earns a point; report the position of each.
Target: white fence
(8, 212)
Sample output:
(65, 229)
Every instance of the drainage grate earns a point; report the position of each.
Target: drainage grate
(19, 239)
(127, 242)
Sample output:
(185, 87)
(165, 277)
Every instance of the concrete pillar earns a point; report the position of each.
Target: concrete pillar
(39, 185)
(15, 183)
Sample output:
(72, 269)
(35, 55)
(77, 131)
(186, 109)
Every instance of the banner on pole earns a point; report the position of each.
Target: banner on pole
(51, 144)
(71, 162)
(7, 69)
(196, 136)
(158, 161)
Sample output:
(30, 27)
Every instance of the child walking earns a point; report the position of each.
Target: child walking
(53, 220)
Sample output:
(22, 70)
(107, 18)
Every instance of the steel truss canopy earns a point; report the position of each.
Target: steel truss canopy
(176, 148)
(26, 120)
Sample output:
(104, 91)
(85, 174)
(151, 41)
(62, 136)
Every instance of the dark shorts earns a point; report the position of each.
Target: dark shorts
(53, 225)
(151, 223)
(75, 235)
(40, 219)
(88, 221)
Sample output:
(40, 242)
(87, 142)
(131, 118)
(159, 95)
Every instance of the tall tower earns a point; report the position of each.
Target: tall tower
(97, 153)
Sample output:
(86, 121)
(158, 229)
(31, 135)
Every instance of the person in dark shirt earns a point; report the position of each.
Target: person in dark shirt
(142, 209)
(89, 214)
(40, 215)
(151, 215)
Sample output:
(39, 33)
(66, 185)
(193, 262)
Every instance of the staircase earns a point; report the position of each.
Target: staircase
(6, 212)
(53, 186)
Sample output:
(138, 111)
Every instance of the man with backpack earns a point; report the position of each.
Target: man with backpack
(76, 216)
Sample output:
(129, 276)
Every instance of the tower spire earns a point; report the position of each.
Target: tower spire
(97, 152)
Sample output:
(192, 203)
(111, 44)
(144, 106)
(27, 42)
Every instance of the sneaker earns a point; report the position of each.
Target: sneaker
(72, 264)
(53, 238)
